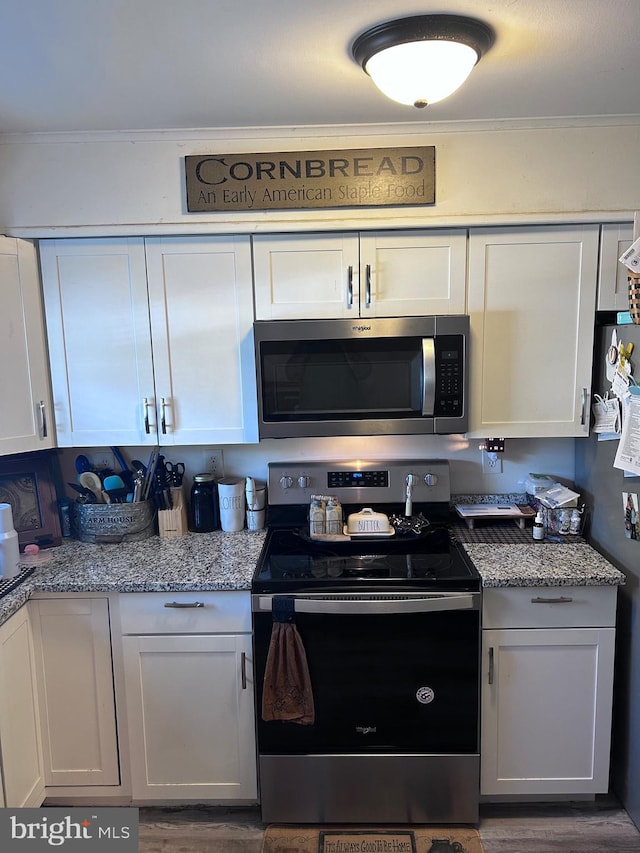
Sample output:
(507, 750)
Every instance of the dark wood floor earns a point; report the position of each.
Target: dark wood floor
(600, 827)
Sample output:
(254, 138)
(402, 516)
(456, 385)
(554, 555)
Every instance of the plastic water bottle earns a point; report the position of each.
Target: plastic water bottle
(9, 546)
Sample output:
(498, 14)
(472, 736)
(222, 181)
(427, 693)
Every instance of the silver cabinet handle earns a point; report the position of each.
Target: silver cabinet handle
(367, 286)
(243, 669)
(585, 401)
(184, 604)
(490, 679)
(145, 406)
(350, 287)
(560, 600)
(163, 415)
(43, 419)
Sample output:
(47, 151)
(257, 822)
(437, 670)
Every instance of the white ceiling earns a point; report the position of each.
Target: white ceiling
(109, 65)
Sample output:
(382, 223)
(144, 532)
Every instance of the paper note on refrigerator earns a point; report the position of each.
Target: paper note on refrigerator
(631, 258)
(628, 453)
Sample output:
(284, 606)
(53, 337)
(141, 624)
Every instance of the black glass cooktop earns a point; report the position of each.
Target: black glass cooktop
(291, 562)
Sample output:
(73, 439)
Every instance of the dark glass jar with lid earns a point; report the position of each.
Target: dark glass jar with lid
(205, 512)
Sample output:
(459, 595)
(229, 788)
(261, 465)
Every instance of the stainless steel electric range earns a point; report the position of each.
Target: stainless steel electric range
(390, 630)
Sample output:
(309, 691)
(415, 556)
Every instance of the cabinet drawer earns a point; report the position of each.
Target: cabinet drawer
(549, 607)
(185, 612)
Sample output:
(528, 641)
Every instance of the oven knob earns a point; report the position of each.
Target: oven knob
(304, 482)
(430, 479)
(286, 482)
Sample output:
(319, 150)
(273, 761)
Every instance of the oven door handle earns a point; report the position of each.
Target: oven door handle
(353, 605)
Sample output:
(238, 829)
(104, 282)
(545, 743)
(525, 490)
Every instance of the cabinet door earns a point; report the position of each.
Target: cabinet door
(613, 287)
(412, 273)
(546, 710)
(20, 744)
(201, 306)
(306, 276)
(27, 417)
(99, 341)
(531, 301)
(190, 715)
(75, 679)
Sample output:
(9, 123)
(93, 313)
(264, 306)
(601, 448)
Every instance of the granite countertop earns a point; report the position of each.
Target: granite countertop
(504, 556)
(197, 561)
(542, 564)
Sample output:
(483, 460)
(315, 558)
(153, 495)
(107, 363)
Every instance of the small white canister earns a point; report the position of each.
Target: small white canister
(9, 546)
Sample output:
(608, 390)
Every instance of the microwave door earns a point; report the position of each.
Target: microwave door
(428, 376)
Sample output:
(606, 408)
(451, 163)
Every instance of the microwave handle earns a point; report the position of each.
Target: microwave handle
(428, 376)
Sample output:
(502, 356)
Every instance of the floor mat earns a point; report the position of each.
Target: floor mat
(412, 839)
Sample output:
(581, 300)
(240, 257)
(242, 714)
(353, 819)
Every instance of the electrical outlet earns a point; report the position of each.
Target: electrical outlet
(215, 463)
(102, 459)
(491, 462)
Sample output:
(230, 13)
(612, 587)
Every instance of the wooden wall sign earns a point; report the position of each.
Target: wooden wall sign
(294, 180)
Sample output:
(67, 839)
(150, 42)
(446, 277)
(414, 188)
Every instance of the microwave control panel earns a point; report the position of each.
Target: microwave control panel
(449, 355)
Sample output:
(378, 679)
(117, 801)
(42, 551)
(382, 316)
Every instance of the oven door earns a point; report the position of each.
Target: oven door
(388, 674)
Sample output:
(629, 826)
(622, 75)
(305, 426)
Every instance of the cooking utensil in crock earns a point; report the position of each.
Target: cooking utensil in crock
(85, 495)
(112, 482)
(91, 481)
(82, 464)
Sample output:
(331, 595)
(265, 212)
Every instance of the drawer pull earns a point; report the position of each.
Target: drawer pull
(561, 600)
(184, 604)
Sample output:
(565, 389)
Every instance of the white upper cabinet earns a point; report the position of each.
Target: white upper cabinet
(95, 295)
(201, 308)
(298, 276)
(613, 287)
(150, 340)
(531, 301)
(372, 274)
(27, 417)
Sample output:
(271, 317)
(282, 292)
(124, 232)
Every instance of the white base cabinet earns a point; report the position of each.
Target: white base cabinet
(547, 691)
(189, 695)
(20, 741)
(75, 676)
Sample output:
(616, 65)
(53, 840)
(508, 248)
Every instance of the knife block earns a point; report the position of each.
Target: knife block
(173, 522)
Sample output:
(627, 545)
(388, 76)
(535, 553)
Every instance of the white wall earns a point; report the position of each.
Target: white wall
(522, 456)
(133, 183)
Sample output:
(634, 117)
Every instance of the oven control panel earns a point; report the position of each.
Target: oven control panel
(359, 481)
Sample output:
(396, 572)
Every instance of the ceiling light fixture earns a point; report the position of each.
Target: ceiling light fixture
(422, 59)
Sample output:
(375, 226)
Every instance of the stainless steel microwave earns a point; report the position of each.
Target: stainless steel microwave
(394, 376)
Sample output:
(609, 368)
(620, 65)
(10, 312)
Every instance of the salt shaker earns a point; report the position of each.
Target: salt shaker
(333, 516)
(316, 518)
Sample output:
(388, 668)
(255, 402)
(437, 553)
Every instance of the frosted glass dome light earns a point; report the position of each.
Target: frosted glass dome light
(423, 59)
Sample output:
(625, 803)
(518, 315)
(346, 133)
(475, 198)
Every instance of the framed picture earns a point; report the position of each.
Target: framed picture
(26, 482)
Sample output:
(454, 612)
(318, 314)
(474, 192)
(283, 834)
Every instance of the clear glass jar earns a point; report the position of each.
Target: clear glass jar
(205, 511)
